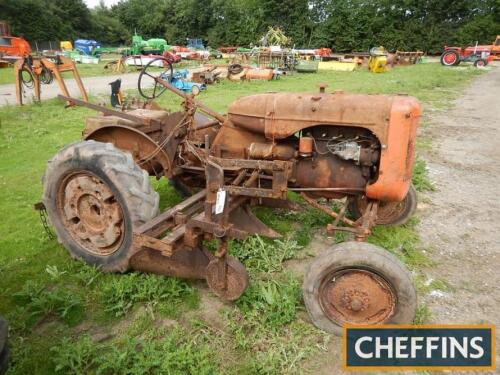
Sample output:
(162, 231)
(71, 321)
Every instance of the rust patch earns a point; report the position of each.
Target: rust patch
(356, 296)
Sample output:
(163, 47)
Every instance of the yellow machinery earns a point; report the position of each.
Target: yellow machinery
(66, 45)
(378, 60)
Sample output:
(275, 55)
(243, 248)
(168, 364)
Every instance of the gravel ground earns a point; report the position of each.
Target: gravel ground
(459, 222)
(93, 85)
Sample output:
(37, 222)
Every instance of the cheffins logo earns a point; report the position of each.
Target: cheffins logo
(426, 347)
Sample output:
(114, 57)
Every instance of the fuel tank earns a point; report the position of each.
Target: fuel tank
(392, 119)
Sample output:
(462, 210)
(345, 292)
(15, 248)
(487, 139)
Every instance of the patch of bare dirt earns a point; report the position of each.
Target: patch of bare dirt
(461, 223)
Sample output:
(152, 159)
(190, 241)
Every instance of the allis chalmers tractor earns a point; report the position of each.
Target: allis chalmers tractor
(358, 149)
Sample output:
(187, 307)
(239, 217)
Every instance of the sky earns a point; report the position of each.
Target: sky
(93, 3)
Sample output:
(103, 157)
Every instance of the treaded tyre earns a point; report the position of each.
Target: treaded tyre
(4, 360)
(3, 334)
(358, 283)
(4, 348)
(388, 213)
(450, 58)
(95, 195)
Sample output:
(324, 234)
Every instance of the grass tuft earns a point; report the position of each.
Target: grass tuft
(421, 180)
(423, 315)
(266, 330)
(262, 255)
(120, 294)
(156, 352)
(38, 303)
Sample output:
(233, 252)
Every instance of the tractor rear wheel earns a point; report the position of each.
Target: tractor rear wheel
(450, 58)
(95, 195)
(4, 348)
(4, 360)
(388, 213)
(358, 283)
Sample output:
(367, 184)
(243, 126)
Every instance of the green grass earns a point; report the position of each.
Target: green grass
(153, 352)
(57, 307)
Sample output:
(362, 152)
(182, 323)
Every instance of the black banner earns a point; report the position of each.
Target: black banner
(419, 347)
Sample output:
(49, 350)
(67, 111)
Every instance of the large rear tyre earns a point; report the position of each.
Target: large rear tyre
(4, 348)
(95, 195)
(358, 283)
(388, 213)
(4, 360)
(450, 58)
(3, 334)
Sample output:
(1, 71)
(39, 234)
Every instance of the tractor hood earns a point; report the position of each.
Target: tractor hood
(280, 115)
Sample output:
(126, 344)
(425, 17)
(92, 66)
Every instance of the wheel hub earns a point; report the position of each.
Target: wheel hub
(390, 211)
(93, 216)
(387, 212)
(449, 58)
(357, 296)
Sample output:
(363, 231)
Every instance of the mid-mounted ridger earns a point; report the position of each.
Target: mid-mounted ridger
(358, 149)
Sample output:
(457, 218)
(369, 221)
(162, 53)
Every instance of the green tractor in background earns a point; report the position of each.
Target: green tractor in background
(154, 46)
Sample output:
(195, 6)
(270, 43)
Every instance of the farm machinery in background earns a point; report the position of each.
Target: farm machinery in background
(478, 55)
(32, 71)
(11, 47)
(377, 63)
(355, 149)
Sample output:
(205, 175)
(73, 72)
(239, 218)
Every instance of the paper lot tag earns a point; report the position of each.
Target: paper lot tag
(431, 347)
(220, 201)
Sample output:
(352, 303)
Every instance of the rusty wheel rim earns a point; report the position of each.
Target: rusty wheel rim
(357, 296)
(91, 214)
(387, 212)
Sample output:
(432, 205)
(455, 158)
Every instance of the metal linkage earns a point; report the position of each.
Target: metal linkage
(361, 227)
(40, 207)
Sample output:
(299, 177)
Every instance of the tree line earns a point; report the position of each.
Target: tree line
(343, 25)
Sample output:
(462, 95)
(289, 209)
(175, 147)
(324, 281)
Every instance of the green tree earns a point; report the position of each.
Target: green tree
(107, 28)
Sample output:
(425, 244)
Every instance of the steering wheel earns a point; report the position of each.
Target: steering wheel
(149, 75)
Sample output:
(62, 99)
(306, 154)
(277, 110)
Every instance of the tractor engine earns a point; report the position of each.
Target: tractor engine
(341, 143)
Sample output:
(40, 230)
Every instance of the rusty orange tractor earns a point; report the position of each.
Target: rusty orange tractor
(357, 149)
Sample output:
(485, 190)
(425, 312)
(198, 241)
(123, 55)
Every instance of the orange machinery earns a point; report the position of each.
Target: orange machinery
(12, 45)
(37, 70)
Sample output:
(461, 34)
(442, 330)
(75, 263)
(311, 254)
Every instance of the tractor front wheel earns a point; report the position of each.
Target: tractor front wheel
(95, 195)
(450, 58)
(388, 213)
(358, 283)
(480, 63)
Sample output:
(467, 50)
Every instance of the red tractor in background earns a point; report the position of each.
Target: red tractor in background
(12, 45)
(478, 55)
